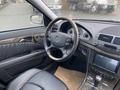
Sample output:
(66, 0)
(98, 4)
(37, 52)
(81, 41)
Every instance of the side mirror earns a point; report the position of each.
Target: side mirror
(37, 19)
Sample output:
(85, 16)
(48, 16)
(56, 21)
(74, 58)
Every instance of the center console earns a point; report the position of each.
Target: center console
(103, 72)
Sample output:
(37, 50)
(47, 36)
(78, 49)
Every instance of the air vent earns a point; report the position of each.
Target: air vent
(105, 38)
(116, 41)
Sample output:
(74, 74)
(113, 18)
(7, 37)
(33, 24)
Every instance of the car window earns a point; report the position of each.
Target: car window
(18, 14)
(103, 10)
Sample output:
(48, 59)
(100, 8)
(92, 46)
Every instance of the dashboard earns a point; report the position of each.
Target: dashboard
(97, 33)
(103, 38)
(95, 29)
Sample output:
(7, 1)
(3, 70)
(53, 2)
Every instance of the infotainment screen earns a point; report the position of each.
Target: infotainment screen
(106, 63)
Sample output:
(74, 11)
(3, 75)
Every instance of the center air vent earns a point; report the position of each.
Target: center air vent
(116, 41)
(105, 38)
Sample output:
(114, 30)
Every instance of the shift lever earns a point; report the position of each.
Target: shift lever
(97, 80)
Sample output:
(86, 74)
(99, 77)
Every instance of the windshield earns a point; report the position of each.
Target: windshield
(86, 9)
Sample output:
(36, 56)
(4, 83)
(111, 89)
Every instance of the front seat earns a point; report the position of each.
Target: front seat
(36, 79)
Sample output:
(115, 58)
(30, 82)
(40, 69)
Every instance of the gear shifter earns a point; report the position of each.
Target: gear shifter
(97, 80)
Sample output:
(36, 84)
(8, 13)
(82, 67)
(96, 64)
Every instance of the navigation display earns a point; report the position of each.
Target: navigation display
(106, 63)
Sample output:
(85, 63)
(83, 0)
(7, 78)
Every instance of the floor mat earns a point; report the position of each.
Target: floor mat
(70, 77)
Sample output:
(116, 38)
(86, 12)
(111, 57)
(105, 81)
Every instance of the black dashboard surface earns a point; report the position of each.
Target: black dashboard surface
(97, 27)
(110, 29)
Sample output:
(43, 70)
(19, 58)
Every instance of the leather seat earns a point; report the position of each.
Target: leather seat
(36, 79)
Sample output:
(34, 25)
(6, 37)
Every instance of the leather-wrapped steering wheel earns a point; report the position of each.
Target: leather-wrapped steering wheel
(60, 45)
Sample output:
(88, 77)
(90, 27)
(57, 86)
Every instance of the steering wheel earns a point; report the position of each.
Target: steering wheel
(60, 45)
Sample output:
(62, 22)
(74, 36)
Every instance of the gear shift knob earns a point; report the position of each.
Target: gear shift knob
(97, 80)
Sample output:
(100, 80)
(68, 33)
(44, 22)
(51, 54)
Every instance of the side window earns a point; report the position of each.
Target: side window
(17, 14)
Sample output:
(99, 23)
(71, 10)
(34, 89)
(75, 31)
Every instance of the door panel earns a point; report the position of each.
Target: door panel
(20, 51)
(14, 66)
(17, 57)
(16, 49)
